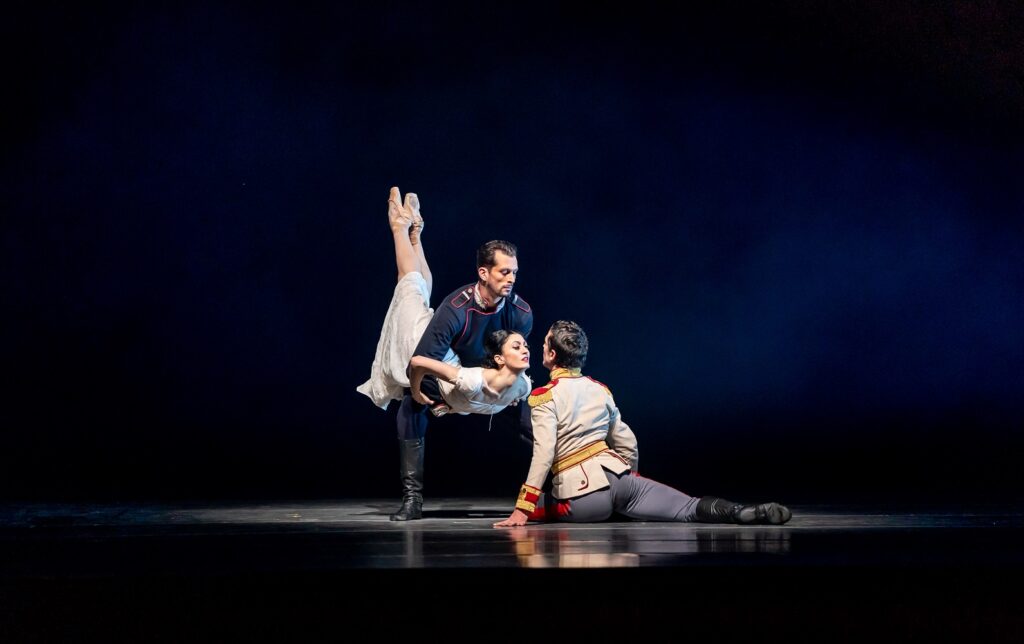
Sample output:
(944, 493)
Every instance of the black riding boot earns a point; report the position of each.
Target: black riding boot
(711, 509)
(411, 458)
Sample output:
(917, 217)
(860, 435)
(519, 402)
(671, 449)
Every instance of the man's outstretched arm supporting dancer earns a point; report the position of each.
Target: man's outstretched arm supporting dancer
(580, 438)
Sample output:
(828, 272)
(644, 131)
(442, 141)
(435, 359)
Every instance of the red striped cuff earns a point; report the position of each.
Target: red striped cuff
(528, 496)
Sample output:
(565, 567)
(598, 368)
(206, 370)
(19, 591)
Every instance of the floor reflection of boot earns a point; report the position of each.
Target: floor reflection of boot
(743, 541)
(413, 548)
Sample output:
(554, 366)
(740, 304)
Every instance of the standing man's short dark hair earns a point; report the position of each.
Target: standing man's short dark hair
(485, 254)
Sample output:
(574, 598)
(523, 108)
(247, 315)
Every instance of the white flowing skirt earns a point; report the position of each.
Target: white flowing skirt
(406, 319)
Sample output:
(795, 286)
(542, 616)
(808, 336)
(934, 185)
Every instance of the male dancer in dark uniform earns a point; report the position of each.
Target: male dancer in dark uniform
(462, 321)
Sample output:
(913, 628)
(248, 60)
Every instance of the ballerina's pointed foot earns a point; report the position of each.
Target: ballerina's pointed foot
(412, 206)
(399, 217)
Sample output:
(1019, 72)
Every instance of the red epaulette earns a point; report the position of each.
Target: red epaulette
(541, 395)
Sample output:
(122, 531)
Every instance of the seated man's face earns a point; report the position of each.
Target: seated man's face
(499, 279)
(548, 355)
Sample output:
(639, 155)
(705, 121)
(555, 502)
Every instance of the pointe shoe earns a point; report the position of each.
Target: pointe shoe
(412, 206)
(398, 217)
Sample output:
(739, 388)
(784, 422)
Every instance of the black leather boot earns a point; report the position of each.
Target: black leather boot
(711, 509)
(411, 459)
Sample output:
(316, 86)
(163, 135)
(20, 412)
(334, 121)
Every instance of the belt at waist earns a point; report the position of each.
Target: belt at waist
(579, 456)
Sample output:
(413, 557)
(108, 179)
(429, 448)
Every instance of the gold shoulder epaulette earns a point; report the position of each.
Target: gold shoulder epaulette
(541, 395)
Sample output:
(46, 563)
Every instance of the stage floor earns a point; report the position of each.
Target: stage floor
(284, 567)
(222, 538)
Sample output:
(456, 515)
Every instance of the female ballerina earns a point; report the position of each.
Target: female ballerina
(480, 390)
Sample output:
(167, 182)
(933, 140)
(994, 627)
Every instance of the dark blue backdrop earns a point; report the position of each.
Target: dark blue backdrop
(793, 234)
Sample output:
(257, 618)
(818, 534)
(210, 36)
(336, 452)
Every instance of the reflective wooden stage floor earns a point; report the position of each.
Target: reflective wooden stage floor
(281, 570)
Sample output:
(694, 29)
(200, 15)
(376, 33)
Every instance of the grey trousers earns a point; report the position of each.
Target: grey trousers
(633, 496)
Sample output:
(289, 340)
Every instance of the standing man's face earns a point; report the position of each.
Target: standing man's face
(499, 279)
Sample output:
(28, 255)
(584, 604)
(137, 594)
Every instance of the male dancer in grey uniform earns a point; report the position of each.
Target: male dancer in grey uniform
(581, 439)
(460, 324)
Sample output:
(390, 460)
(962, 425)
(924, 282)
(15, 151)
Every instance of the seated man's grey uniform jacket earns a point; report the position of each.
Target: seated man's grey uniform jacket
(577, 434)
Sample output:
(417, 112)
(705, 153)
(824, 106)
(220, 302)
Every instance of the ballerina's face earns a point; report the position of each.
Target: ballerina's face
(515, 353)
